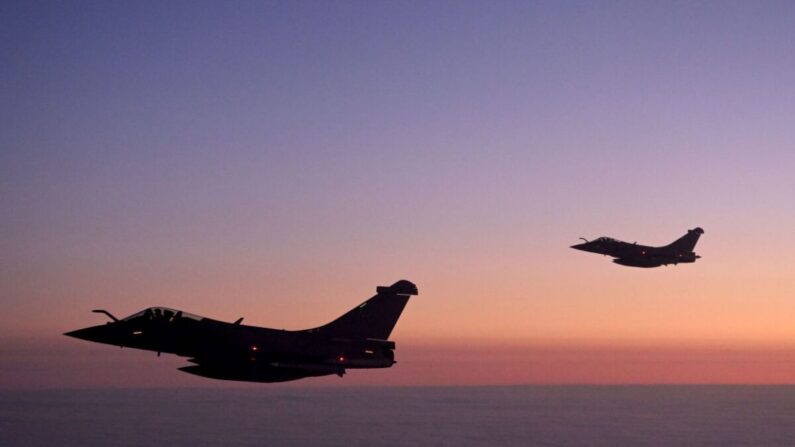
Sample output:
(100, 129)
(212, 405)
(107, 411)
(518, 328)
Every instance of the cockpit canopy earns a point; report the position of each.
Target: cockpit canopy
(604, 239)
(161, 313)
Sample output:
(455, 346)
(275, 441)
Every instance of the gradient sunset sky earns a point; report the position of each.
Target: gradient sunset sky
(279, 160)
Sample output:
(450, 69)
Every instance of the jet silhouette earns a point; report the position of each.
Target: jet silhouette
(634, 255)
(232, 351)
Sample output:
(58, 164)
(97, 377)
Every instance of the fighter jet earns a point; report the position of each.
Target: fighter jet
(634, 255)
(233, 351)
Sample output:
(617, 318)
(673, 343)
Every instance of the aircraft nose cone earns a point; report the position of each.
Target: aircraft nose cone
(578, 246)
(93, 333)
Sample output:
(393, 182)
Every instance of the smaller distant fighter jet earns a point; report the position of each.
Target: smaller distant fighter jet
(634, 255)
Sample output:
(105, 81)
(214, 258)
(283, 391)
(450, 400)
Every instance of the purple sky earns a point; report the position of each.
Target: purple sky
(280, 160)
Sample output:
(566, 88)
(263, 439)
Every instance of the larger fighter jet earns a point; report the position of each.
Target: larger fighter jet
(634, 255)
(233, 351)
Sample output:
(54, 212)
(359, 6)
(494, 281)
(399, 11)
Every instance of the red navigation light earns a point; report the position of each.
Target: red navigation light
(254, 348)
(341, 359)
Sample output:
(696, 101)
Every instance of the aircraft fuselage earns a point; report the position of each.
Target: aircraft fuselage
(234, 351)
(636, 255)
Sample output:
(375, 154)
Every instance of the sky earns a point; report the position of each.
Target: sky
(279, 160)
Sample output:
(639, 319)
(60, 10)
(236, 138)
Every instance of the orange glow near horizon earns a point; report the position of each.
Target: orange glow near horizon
(422, 365)
(514, 321)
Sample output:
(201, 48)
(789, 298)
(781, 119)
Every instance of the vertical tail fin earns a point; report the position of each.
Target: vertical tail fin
(687, 242)
(374, 318)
